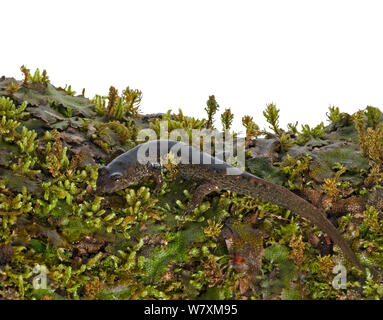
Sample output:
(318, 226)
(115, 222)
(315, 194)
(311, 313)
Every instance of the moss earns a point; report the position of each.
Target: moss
(105, 134)
(296, 170)
(271, 114)
(10, 111)
(68, 90)
(261, 167)
(213, 229)
(174, 122)
(252, 129)
(334, 114)
(347, 156)
(116, 107)
(211, 109)
(316, 133)
(135, 243)
(276, 259)
(227, 119)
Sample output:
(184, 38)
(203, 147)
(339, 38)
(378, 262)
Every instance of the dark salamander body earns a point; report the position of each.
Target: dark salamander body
(145, 160)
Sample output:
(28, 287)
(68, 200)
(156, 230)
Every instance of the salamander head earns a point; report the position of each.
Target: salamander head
(111, 180)
(108, 181)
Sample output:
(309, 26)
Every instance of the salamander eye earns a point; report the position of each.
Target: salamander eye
(116, 177)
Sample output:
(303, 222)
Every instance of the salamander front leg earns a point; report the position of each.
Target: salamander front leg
(199, 194)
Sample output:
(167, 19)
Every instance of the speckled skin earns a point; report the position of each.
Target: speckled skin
(212, 174)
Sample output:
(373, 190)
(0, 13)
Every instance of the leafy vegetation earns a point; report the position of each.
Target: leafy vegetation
(136, 243)
(211, 109)
(118, 107)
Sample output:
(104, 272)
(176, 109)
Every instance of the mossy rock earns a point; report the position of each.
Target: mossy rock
(79, 105)
(262, 168)
(7, 152)
(346, 133)
(36, 124)
(346, 154)
(16, 182)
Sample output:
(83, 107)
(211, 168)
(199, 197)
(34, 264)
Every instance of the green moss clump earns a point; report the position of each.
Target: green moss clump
(271, 114)
(10, 111)
(116, 107)
(211, 109)
(174, 122)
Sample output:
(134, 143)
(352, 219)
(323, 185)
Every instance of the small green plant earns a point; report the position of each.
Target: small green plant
(96, 217)
(68, 90)
(116, 107)
(297, 249)
(317, 132)
(285, 142)
(334, 115)
(27, 142)
(8, 129)
(188, 122)
(10, 111)
(177, 121)
(12, 88)
(27, 74)
(373, 115)
(371, 219)
(126, 134)
(295, 168)
(252, 129)
(271, 114)
(56, 160)
(37, 80)
(132, 99)
(276, 258)
(372, 289)
(358, 118)
(211, 109)
(331, 186)
(100, 104)
(293, 128)
(140, 206)
(25, 166)
(375, 175)
(26, 139)
(44, 78)
(68, 112)
(15, 205)
(227, 119)
(370, 139)
(64, 110)
(213, 229)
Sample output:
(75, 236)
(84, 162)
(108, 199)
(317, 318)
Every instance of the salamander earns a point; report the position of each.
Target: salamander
(212, 174)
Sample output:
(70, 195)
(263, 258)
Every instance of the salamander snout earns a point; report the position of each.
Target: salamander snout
(108, 181)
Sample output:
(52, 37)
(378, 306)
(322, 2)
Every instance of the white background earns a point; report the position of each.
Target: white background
(302, 55)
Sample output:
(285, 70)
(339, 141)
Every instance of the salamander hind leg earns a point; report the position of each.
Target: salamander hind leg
(199, 194)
